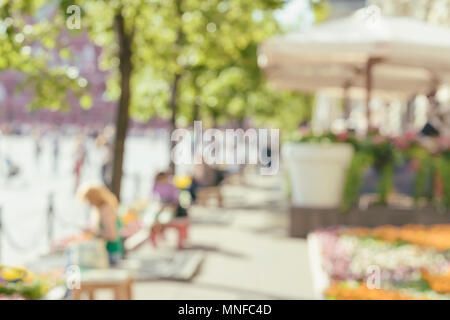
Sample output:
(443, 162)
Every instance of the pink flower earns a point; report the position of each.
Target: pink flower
(378, 139)
(410, 135)
(342, 136)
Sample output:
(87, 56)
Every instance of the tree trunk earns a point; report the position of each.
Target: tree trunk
(122, 114)
(196, 112)
(241, 122)
(369, 84)
(173, 118)
(174, 87)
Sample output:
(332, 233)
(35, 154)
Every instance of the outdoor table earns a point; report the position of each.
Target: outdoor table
(119, 281)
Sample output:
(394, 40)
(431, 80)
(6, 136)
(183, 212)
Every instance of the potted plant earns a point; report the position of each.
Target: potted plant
(429, 170)
(317, 166)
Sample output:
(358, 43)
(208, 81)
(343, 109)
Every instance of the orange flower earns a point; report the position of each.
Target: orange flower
(436, 236)
(439, 283)
(362, 292)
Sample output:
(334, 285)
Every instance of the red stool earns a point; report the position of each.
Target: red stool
(181, 225)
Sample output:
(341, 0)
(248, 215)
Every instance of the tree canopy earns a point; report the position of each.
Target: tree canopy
(28, 44)
(178, 59)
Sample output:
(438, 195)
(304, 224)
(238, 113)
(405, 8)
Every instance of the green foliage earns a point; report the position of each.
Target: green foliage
(385, 182)
(442, 167)
(353, 182)
(321, 9)
(30, 49)
(315, 138)
(182, 57)
(424, 178)
(86, 101)
(33, 290)
(430, 167)
(212, 44)
(363, 159)
(215, 56)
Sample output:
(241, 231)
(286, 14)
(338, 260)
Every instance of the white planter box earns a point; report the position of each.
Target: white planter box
(317, 173)
(320, 279)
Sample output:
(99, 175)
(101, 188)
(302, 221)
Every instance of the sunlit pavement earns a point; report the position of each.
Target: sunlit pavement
(247, 252)
(248, 255)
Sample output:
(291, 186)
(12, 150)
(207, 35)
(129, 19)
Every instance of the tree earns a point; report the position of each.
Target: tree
(177, 59)
(177, 44)
(194, 43)
(31, 48)
(321, 9)
(180, 49)
(28, 45)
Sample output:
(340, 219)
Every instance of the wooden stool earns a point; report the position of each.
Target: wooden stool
(119, 281)
(206, 193)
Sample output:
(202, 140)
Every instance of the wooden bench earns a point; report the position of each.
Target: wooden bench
(119, 281)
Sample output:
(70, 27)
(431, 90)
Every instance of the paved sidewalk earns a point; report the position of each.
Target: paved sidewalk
(247, 252)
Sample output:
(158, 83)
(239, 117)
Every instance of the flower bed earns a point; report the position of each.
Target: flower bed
(412, 262)
(352, 290)
(19, 283)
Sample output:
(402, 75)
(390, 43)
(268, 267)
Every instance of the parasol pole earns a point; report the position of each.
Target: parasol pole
(408, 121)
(346, 100)
(431, 96)
(369, 68)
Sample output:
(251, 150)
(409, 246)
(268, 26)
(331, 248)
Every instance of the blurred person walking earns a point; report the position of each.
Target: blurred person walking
(37, 147)
(80, 158)
(12, 168)
(55, 152)
(105, 143)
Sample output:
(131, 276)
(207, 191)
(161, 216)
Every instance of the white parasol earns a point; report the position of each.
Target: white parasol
(363, 51)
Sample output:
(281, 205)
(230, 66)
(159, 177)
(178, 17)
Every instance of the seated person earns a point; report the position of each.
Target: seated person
(168, 194)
